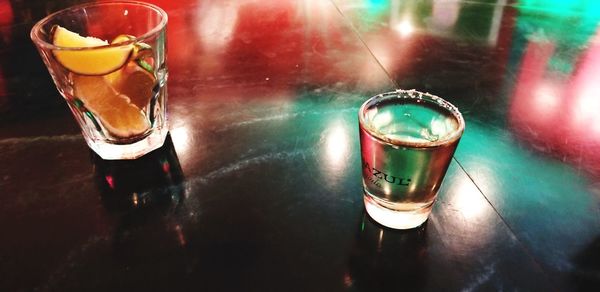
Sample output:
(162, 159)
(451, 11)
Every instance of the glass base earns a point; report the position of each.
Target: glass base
(396, 219)
(135, 150)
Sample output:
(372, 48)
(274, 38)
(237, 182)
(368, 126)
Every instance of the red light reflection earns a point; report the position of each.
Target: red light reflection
(110, 181)
(183, 44)
(528, 111)
(6, 20)
(248, 49)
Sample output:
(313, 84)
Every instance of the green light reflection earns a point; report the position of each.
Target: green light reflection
(568, 24)
(548, 203)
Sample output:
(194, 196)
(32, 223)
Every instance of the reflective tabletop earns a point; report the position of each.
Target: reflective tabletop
(258, 186)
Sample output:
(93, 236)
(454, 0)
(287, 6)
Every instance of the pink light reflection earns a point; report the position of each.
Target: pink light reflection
(445, 13)
(562, 115)
(584, 124)
(528, 113)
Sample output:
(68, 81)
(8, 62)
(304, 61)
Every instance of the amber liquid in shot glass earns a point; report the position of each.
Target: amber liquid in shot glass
(407, 141)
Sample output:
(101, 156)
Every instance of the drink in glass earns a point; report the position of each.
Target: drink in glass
(407, 141)
(108, 62)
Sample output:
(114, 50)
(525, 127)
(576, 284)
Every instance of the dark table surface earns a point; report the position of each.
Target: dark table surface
(258, 187)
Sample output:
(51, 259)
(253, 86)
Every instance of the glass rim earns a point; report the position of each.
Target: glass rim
(414, 94)
(35, 33)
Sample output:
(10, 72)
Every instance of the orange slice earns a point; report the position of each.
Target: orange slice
(133, 80)
(114, 110)
(141, 51)
(98, 61)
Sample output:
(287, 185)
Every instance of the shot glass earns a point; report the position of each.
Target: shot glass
(407, 140)
(108, 61)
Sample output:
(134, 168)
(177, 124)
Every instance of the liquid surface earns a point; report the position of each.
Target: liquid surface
(410, 120)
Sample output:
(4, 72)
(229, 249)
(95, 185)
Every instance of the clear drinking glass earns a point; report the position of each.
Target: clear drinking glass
(108, 60)
(407, 140)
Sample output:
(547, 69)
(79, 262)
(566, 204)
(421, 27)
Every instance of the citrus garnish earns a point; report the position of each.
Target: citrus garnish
(134, 80)
(122, 38)
(98, 61)
(142, 52)
(115, 110)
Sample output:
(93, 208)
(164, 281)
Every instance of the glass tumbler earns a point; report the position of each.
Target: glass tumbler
(108, 61)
